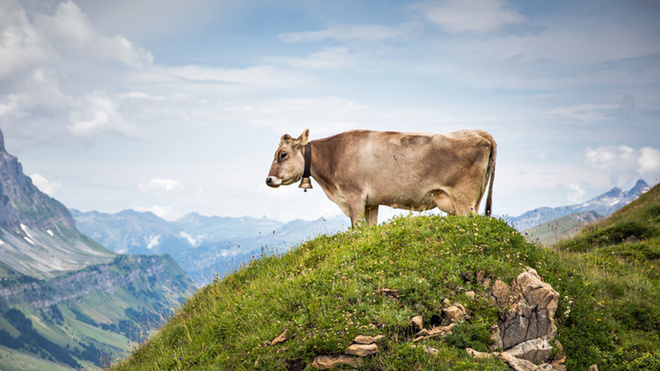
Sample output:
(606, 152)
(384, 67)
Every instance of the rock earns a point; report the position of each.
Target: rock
(362, 350)
(531, 315)
(417, 323)
(486, 282)
(328, 362)
(390, 293)
(430, 350)
(631, 239)
(470, 294)
(480, 276)
(280, 339)
(526, 328)
(446, 302)
(455, 313)
(495, 337)
(535, 350)
(518, 364)
(439, 331)
(362, 339)
(593, 368)
(500, 292)
(476, 354)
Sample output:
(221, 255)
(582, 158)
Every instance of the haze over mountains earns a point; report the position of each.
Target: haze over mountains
(202, 245)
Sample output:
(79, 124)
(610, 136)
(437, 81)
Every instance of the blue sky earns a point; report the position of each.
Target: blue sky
(177, 107)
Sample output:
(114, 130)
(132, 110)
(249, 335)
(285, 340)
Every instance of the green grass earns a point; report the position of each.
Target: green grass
(622, 272)
(327, 291)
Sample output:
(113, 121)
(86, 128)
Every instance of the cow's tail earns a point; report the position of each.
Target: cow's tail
(490, 174)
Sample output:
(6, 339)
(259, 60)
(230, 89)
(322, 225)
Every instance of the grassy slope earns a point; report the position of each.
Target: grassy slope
(622, 273)
(326, 292)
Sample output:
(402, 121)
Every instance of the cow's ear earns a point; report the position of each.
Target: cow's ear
(303, 138)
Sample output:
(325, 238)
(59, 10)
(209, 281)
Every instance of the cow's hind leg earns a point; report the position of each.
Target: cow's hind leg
(371, 215)
(466, 202)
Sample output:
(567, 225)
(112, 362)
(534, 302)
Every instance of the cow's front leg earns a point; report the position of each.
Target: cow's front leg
(356, 210)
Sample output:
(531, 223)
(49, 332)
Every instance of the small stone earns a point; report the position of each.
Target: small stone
(390, 293)
(446, 303)
(470, 294)
(328, 362)
(362, 350)
(486, 282)
(439, 331)
(431, 351)
(280, 339)
(455, 313)
(476, 354)
(593, 368)
(417, 323)
(362, 339)
(480, 276)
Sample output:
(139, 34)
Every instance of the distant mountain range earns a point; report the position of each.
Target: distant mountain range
(603, 205)
(65, 300)
(205, 246)
(202, 245)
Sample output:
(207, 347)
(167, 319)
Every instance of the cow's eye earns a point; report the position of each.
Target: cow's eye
(283, 156)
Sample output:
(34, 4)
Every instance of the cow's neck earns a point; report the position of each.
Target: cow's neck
(321, 165)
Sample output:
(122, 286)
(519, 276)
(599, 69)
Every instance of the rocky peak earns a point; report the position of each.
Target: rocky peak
(21, 202)
(640, 187)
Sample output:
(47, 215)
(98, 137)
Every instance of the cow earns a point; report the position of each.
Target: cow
(361, 169)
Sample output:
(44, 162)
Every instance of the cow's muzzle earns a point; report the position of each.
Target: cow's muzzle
(273, 182)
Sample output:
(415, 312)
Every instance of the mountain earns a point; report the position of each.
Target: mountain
(550, 233)
(604, 205)
(65, 300)
(204, 246)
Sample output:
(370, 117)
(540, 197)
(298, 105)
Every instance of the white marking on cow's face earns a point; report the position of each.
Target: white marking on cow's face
(289, 164)
(273, 182)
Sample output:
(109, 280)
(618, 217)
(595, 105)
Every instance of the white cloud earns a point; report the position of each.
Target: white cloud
(586, 112)
(69, 30)
(327, 58)
(161, 186)
(97, 113)
(344, 32)
(140, 95)
(47, 187)
(624, 164)
(194, 242)
(153, 242)
(577, 193)
(472, 16)
(649, 163)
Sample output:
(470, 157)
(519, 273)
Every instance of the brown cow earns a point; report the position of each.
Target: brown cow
(360, 170)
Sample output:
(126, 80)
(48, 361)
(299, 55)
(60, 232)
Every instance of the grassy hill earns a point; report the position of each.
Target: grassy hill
(373, 280)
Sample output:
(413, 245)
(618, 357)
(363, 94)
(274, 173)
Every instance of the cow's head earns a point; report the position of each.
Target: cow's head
(289, 163)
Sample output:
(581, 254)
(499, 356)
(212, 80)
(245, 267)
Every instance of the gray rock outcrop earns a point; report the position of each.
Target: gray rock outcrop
(526, 327)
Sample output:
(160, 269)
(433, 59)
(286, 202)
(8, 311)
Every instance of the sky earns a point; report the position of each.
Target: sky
(178, 106)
